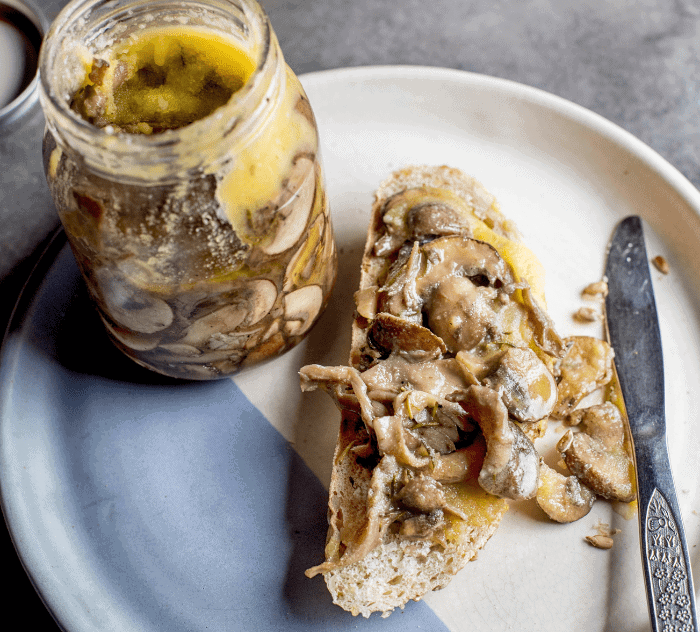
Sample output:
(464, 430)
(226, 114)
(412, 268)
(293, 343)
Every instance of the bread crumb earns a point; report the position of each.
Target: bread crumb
(586, 315)
(599, 289)
(600, 541)
(661, 264)
(604, 538)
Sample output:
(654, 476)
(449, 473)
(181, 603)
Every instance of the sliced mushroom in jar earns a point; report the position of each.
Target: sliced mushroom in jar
(223, 320)
(301, 308)
(262, 296)
(132, 307)
(294, 211)
(302, 265)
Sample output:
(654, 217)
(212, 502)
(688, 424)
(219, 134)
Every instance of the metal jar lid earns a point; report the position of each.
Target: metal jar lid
(22, 27)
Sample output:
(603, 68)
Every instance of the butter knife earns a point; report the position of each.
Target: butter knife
(633, 331)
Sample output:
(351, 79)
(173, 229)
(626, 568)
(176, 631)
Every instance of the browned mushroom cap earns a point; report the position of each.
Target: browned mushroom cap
(511, 466)
(420, 213)
(435, 219)
(464, 257)
(390, 334)
(563, 498)
(598, 456)
(586, 367)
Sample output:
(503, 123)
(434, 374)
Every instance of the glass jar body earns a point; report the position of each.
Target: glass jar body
(207, 248)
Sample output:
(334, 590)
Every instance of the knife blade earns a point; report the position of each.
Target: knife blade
(633, 332)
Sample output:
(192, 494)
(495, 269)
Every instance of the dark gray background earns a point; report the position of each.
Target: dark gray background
(636, 62)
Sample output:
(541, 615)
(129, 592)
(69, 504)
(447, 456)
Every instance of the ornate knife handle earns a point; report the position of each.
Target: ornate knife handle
(667, 571)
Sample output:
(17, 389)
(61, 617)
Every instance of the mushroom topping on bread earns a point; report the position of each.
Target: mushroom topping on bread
(563, 498)
(511, 465)
(597, 455)
(452, 376)
(586, 366)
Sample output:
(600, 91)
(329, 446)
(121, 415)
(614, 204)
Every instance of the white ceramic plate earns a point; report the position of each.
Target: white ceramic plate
(141, 504)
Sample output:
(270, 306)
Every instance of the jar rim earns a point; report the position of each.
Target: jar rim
(224, 119)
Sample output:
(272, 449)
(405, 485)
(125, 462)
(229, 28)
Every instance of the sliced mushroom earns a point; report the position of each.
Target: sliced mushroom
(597, 455)
(586, 367)
(462, 464)
(524, 383)
(130, 306)
(137, 342)
(294, 212)
(602, 421)
(399, 295)
(263, 294)
(314, 376)
(511, 466)
(391, 334)
(224, 320)
(435, 219)
(393, 439)
(426, 495)
(422, 493)
(463, 314)
(545, 334)
(441, 378)
(267, 349)
(179, 349)
(301, 308)
(302, 264)
(563, 498)
(479, 364)
(402, 434)
(366, 302)
(419, 213)
(465, 257)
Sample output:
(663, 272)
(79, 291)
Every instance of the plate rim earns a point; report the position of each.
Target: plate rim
(538, 96)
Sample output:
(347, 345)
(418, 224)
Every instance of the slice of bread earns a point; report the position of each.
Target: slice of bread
(373, 561)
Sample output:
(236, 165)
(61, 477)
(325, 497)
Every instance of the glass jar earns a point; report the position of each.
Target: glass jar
(207, 246)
